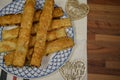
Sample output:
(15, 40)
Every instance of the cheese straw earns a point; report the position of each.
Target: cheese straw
(56, 24)
(51, 47)
(12, 19)
(9, 45)
(24, 34)
(41, 35)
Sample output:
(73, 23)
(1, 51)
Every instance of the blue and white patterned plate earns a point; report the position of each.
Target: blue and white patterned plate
(50, 63)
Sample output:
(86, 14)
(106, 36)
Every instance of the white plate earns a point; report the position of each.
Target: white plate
(49, 64)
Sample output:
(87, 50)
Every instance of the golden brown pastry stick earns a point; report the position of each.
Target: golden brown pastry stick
(52, 35)
(58, 45)
(58, 12)
(29, 55)
(8, 45)
(60, 22)
(54, 46)
(8, 59)
(24, 34)
(11, 34)
(41, 34)
(16, 18)
(56, 24)
(56, 34)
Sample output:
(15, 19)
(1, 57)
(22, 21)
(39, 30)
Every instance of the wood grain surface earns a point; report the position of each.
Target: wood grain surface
(104, 40)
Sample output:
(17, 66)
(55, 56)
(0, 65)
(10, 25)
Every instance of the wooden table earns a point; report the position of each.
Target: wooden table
(104, 40)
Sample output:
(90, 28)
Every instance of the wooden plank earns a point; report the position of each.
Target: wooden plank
(103, 57)
(91, 36)
(101, 52)
(112, 64)
(103, 40)
(108, 38)
(106, 44)
(104, 31)
(102, 18)
(93, 62)
(105, 2)
(111, 24)
(102, 77)
(114, 17)
(99, 7)
(107, 13)
(103, 70)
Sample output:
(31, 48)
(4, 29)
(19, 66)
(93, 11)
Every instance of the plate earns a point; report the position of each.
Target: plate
(50, 63)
